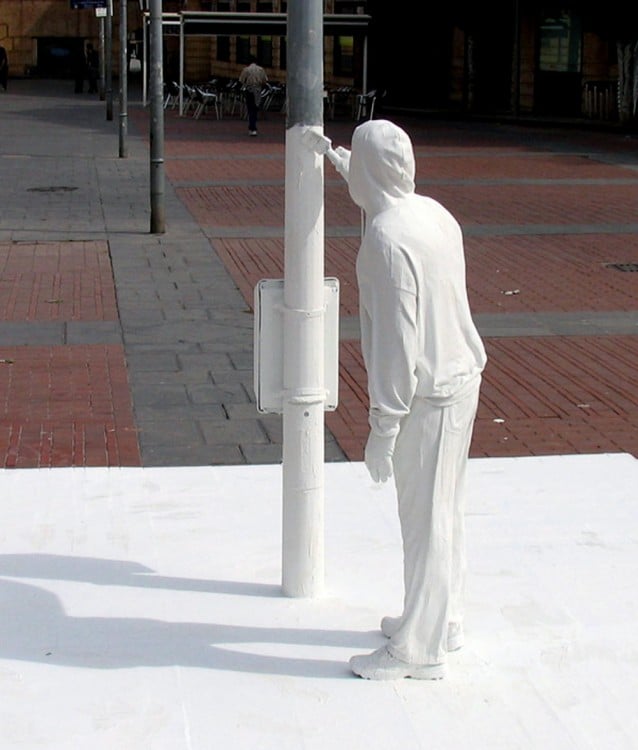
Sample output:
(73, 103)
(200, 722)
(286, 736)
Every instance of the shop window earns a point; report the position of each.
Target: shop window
(264, 51)
(343, 55)
(560, 42)
(223, 48)
(242, 49)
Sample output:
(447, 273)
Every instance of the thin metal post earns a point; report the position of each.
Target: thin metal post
(123, 79)
(157, 119)
(304, 388)
(181, 66)
(145, 54)
(109, 60)
(102, 84)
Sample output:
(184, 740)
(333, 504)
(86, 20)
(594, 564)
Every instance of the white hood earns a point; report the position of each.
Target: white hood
(382, 166)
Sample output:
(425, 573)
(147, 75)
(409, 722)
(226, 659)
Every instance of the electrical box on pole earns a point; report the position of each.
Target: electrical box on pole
(269, 345)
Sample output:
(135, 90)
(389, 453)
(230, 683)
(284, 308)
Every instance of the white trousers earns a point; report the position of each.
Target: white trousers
(430, 461)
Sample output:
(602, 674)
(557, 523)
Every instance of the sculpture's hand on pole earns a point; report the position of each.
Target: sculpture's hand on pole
(378, 456)
(322, 145)
(316, 141)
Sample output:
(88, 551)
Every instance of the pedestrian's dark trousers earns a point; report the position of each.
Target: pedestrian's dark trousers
(251, 107)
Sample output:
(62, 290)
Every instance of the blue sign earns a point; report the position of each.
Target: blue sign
(90, 4)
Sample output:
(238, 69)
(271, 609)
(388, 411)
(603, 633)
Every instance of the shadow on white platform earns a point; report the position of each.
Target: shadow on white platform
(141, 609)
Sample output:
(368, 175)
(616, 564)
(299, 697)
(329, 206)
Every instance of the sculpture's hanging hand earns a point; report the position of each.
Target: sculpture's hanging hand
(378, 457)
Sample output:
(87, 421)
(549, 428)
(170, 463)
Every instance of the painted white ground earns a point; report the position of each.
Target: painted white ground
(141, 609)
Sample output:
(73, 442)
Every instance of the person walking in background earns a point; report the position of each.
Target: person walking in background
(93, 67)
(79, 68)
(253, 78)
(4, 68)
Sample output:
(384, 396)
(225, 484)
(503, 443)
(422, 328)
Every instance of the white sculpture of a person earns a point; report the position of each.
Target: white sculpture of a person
(424, 359)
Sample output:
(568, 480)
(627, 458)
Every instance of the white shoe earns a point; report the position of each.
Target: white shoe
(381, 665)
(455, 640)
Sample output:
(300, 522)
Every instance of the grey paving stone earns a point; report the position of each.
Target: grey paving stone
(232, 432)
(99, 332)
(170, 431)
(231, 393)
(159, 394)
(262, 454)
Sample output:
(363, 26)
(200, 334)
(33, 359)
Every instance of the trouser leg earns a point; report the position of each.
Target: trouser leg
(251, 108)
(429, 465)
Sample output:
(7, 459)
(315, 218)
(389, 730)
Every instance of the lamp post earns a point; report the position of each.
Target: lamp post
(304, 388)
(109, 60)
(102, 84)
(157, 119)
(123, 79)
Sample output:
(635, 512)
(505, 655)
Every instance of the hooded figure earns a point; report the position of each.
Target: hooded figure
(424, 359)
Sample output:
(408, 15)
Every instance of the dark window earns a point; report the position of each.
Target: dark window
(283, 51)
(350, 6)
(243, 7)
(243, 49)
(223, 48)
(343, 55)
(560, 42)
(264, 7)
(264, 51)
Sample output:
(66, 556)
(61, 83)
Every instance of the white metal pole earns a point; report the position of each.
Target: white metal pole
(304, 389)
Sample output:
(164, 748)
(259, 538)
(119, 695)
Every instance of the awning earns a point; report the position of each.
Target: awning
(209, 23)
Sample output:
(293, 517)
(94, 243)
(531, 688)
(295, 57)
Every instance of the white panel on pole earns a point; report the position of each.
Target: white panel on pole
(269, 345)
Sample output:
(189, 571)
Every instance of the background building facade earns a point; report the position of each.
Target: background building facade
(510, 57)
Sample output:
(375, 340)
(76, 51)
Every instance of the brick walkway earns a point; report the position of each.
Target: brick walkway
(63, 405)
(542, 230)
(124, 348)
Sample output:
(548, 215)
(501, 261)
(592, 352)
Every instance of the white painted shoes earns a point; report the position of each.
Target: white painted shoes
(455, 640)
(381, 665)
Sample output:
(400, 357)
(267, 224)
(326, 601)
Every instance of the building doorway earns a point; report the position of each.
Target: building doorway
(558, 79)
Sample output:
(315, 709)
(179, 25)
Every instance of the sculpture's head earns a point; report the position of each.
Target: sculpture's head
(382, 165)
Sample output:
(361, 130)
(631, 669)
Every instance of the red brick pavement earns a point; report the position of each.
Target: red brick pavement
(541, 395)
(513, 164)
(65, 406)
(62, 405)
(56, 281)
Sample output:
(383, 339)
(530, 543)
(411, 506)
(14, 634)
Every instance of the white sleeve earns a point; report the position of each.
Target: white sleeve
(340, 157)
(389, 343)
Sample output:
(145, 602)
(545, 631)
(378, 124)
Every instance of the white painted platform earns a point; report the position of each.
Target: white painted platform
(141, 609)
